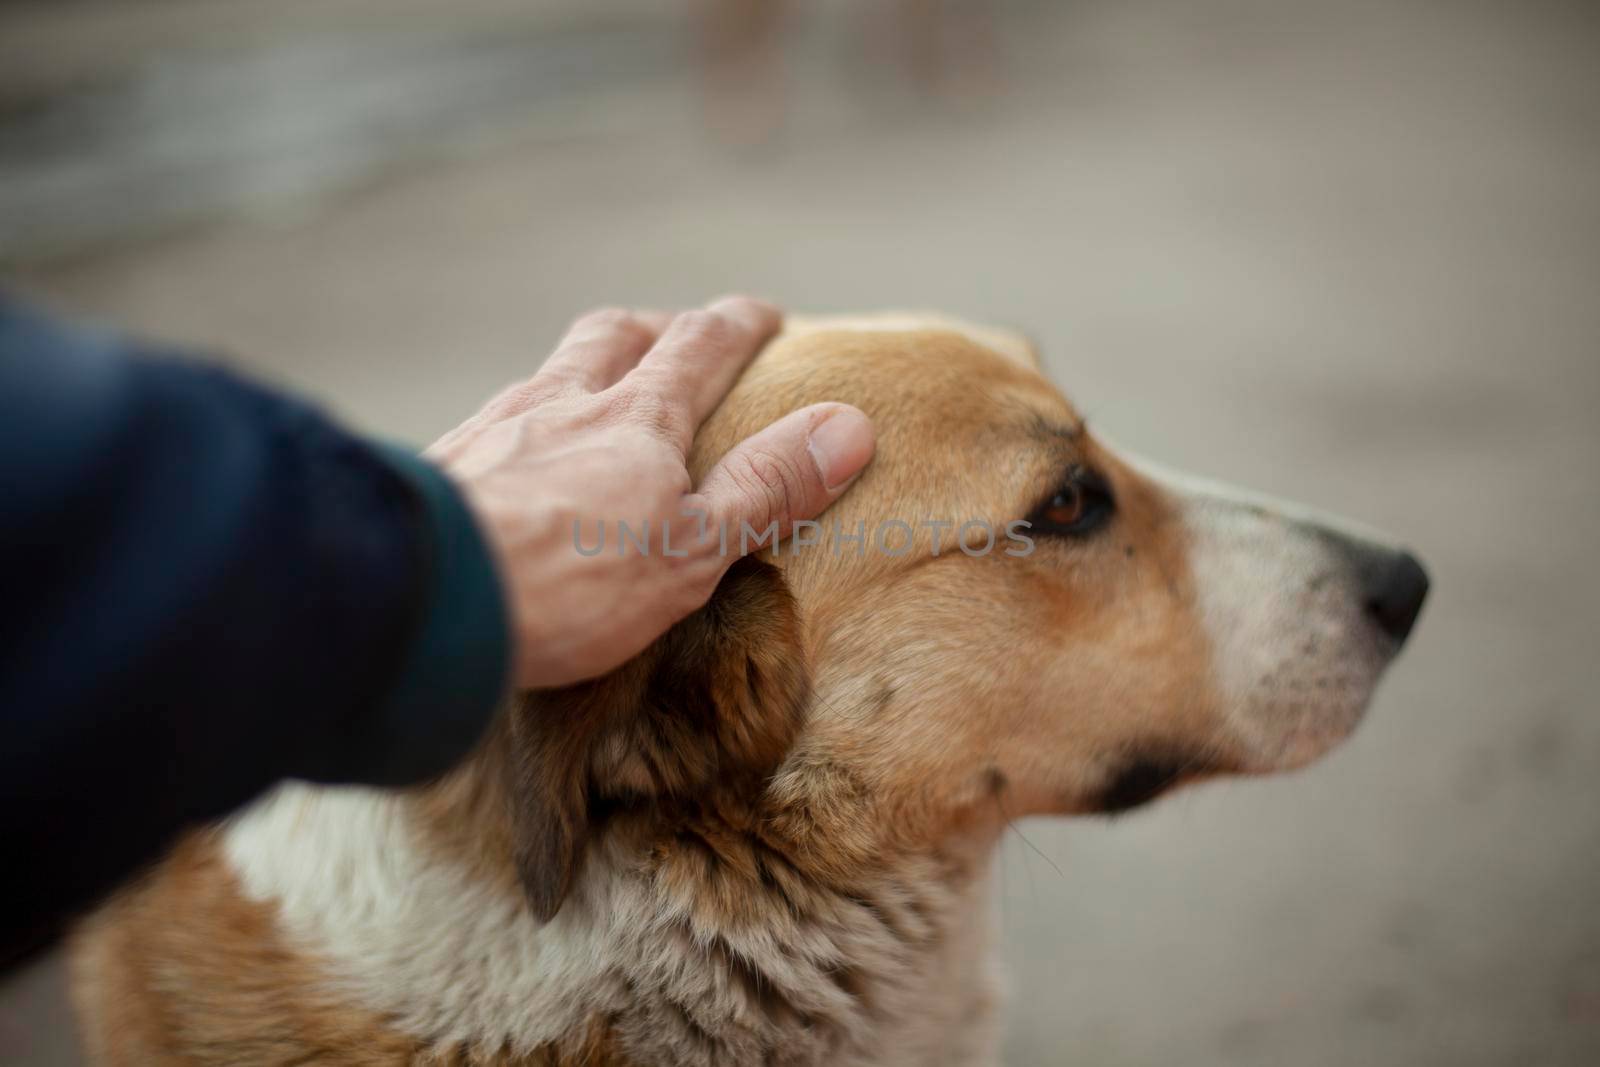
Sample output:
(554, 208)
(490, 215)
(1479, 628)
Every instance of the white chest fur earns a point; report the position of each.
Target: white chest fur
(458, 961)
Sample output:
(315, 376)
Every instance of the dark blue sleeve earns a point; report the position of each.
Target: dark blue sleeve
(208, 587)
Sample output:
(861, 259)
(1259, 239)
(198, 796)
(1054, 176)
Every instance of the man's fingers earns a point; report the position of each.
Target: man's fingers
(700, 355)
(789, 471)
(602, 346)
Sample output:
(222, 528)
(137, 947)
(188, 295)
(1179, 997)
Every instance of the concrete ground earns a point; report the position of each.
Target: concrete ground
(1348, 253)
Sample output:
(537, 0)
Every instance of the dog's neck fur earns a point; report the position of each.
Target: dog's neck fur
(705, 937)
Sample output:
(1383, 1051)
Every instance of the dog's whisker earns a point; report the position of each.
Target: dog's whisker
(1011, 824)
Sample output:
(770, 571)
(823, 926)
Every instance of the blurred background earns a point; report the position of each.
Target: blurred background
(1344, 252)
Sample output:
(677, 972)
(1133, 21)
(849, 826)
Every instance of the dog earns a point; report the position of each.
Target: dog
(768, 839)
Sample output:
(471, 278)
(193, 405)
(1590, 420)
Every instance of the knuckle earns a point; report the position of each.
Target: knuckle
(602, 317)
(647, 407)
(771, 484)
(518, 398)
(587, 349)
(745, 308)
(704, 328)
(607, 321)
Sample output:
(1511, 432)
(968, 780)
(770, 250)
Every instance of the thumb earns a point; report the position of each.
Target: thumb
(791, 470)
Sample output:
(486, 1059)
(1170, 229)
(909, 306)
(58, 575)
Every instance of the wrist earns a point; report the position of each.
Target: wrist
(455, 665)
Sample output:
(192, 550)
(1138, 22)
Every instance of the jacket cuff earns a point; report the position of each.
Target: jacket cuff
(455, 667)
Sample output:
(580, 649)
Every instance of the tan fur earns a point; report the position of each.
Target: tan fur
(772, 831)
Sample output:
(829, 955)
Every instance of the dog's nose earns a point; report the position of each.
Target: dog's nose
(1394, 585)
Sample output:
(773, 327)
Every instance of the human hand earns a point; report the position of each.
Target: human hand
(600, 434)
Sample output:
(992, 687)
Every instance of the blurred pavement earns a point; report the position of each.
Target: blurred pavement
(1346, 253)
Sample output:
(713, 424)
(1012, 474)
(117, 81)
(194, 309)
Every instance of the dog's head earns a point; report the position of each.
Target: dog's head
(1003, 617)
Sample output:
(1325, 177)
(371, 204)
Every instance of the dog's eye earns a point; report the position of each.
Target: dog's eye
(1077, 508)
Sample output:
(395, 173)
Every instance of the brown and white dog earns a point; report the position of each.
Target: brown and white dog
(767, 840)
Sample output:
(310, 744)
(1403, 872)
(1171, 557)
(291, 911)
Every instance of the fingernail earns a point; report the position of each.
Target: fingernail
(840, 446)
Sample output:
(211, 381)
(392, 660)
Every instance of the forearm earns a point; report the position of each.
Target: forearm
(211, 587)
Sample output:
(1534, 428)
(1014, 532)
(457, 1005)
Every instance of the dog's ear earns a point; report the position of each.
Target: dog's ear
(545, 749)
(713, 705)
